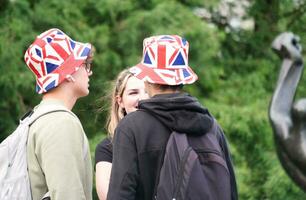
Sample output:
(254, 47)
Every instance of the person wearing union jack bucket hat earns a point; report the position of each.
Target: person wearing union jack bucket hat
(165, 61)
(141, 137)
(57, 150)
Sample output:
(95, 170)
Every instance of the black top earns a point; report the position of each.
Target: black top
(104, 151)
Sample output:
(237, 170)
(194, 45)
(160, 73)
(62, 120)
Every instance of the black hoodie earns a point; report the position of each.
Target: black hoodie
(141, 138)
(179, 112)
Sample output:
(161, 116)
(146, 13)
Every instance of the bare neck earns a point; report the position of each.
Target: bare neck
(67, 98)
(156, 91)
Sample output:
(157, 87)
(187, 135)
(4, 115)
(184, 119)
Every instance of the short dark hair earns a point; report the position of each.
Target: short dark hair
(169, 87)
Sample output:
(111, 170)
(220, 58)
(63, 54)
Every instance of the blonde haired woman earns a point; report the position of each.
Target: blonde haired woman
(127, 91)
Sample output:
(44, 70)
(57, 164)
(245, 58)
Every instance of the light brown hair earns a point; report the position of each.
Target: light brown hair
(116, 113)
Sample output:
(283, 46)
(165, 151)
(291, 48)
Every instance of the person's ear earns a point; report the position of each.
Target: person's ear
(69, 78)
(148, 88)
(119, 101)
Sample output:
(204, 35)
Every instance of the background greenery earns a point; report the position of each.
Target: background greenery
(237, 69)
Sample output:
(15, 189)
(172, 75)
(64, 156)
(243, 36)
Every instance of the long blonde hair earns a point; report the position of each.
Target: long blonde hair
(116, 113)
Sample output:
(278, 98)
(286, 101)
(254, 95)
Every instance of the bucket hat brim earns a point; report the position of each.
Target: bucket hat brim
(180, 76)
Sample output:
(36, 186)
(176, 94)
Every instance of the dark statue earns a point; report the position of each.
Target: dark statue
(288, 120)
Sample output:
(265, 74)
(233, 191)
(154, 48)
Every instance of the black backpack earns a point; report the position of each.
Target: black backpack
(197, 168)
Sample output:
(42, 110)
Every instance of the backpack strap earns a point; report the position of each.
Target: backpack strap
(27, 114)
(32, 117)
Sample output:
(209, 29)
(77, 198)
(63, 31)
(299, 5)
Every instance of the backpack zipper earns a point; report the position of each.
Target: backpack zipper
(209, 151)
(181, 170)
(216, 153)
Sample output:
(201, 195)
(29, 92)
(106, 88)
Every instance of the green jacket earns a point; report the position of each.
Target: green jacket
(56, 159)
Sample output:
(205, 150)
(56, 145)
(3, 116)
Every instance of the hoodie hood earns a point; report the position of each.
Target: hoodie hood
(179, 112)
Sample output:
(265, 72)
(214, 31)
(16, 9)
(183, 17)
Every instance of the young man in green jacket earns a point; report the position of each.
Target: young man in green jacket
(58, 156)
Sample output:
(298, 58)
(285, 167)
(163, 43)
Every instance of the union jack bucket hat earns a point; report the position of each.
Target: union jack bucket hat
(53, 56)
(165, 61)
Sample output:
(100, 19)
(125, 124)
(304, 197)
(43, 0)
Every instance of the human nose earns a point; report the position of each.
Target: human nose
(89, 73)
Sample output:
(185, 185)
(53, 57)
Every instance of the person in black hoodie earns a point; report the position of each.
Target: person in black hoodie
(141, 136)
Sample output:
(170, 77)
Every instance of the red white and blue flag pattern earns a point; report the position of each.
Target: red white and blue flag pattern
(165, 61)
(53, 56)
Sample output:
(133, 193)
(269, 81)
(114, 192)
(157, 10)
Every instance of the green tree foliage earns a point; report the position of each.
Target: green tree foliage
(236, 68)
